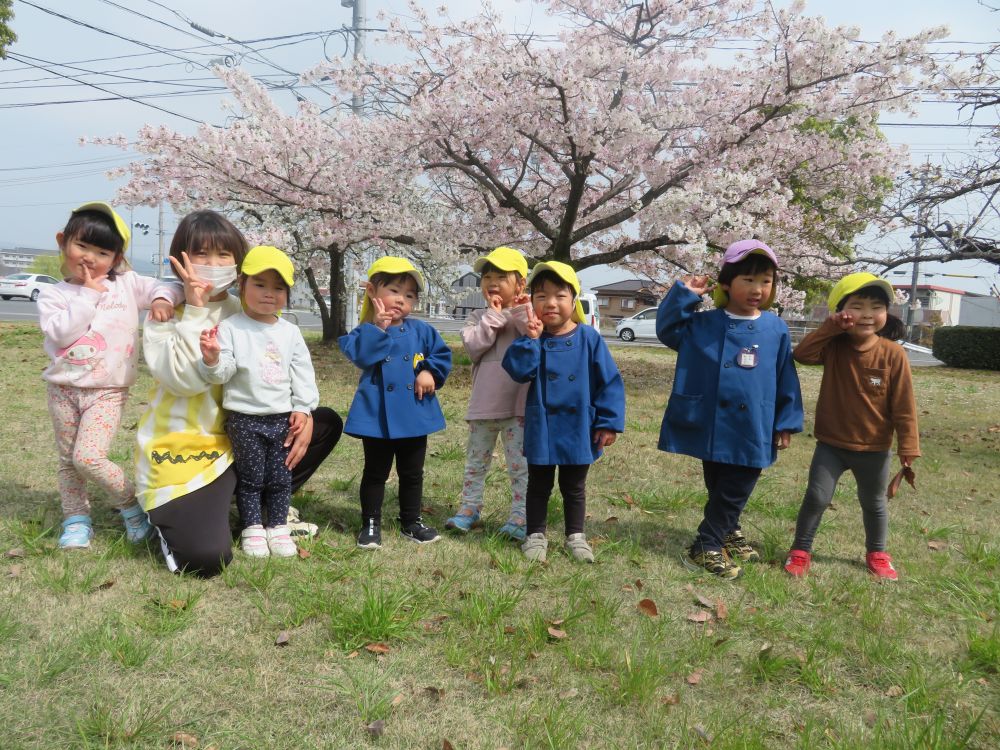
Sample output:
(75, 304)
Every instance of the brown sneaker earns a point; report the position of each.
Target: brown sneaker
(713, 561)
(738, 548)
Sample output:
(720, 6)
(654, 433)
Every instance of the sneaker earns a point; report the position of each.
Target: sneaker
(137, 526)
(514, 530)
(417, 532)
(713, 561)
(535, 547)
(880, 565)
(464, 520)
(370, 536)
(298, 527)
(253, 542)
(738, 548)
(579, 549)
(279, 541)
(77, 533)
(798, 562)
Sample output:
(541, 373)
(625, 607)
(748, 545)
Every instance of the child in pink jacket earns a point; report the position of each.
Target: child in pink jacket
(496, 405)
(91, 327)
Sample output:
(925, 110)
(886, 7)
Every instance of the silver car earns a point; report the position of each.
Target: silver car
(642, 325)
(27, 285)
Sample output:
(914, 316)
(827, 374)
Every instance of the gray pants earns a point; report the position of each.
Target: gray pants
(871, 471)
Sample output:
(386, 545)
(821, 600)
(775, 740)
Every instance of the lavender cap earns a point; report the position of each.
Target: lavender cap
(739, 250)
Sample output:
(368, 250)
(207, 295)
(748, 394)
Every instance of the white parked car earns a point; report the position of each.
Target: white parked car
(28, 285)
(591, 313)
(642, 325)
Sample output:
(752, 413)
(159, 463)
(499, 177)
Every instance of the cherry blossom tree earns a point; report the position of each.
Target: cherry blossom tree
(640, 136)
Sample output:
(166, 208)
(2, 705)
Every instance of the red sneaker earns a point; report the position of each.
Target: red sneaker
(880, 565)
(798, 562)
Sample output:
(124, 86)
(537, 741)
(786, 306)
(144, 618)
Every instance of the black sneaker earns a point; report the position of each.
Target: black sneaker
(738, 548)
(419, 533)
(370, 536)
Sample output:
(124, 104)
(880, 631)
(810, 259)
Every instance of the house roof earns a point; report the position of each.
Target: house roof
(625, 287)
(928, 287)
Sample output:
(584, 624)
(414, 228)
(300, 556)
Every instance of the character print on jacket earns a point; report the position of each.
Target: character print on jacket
(271, 371)
(84, 355)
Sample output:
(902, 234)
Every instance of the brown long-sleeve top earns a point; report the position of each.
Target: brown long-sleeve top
(865, 393)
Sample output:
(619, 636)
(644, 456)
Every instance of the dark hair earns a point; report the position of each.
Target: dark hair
(553, 278)
(751, 265)
(208, 229)
(894, 328)
(97, 229)
(381, 279)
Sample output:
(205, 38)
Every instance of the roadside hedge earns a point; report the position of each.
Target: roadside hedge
(970, 347)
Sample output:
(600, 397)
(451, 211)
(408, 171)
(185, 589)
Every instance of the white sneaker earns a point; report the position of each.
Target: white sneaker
(535, 547)
(280, 542)
(578, 547)
(253, 542)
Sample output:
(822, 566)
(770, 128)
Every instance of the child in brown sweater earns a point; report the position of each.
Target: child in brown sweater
(866, 394)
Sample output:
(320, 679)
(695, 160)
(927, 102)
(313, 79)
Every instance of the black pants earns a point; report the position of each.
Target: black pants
(259, 454)
(409, 454)
(729, 487)
(194, 529)
(572, 486)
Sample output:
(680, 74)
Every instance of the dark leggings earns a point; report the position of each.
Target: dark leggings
(572, 485)
(729, 487)
(194, 529)
(409, 454)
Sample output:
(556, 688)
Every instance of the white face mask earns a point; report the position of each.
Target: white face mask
(220, 277)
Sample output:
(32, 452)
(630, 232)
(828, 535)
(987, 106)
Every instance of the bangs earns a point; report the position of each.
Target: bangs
(208, 229)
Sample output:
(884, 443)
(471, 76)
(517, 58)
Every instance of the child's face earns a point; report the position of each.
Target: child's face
(399, 297)
(503, 284)
(554, 307)
(748, 292)
(211, 256)
(264, 295)
(79, 255)
(869, 316)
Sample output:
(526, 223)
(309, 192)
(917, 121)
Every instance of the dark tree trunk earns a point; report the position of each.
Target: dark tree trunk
(334, 316)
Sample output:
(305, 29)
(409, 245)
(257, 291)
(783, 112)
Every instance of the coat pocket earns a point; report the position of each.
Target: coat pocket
(874, 381)
(684, 411)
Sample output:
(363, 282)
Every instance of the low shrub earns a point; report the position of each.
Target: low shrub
(970, 347)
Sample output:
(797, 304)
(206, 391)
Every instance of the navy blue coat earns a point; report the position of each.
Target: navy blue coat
(385, 405)
(719, 411)
(575, 389)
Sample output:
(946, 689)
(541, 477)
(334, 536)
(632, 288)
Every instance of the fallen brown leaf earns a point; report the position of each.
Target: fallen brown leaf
(397, 700)
(352, 655)
(16, 552)
(704, 601)
(558, 622)
(282, 639)
(378, 648)
(509, 629)
(611, 519)
(695, 677)
(721, 610)
(556, 633)
(184, 740)
(445, 745)
(304, 553)
(700, 616)
(936, 545)
(648, 607)
(638, 584)
(102, 586)
(376, 728)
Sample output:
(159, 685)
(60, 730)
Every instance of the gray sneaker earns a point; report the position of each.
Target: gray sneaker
(535, 547)
(578, 547)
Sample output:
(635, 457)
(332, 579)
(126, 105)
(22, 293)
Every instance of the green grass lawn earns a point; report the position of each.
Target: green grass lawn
(463, 644)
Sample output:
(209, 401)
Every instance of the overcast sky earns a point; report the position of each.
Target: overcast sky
(44, 172)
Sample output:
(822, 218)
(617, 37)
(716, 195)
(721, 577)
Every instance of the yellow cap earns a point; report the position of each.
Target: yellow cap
(567, 274)
(854, 282)
(266, 258)
(105, 208)
(504, 258)
(393, 265)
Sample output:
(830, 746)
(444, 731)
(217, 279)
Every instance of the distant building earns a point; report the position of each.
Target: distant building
(622, 299)
(18, 259)
(938, 305)
(466, 295)
(980, 310)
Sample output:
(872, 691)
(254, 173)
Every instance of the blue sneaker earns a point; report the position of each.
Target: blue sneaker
(137, 526)
(77, 533)
(513, 530)
(464, 520)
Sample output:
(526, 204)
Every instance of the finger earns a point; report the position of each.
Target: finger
(178, 268)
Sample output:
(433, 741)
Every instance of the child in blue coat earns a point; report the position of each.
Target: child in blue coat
(403, 363)
(736, 397)
(575, 406)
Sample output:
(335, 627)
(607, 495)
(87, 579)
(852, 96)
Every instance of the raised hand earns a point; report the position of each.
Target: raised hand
(93, 282)
(698, 284)
(535, 326)
(382, 316)
(496, 302)
(522, 299)
(843, 319)
(196, 291)
(209, 343)
(424, 385)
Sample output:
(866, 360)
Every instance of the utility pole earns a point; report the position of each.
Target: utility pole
(159, 251)
(357, 107)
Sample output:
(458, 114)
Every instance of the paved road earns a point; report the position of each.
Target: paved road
(26, 312)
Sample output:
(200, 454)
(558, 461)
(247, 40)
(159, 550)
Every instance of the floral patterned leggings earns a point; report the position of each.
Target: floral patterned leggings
(479, 455)
(85, 421)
